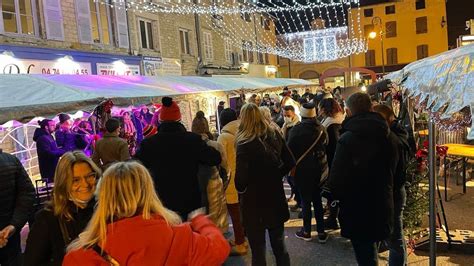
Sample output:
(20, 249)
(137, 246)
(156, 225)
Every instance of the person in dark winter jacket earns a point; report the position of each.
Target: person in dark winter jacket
(332, 117)
(262, 160)
(68, 213)
(66, 139)
(173, 157)
(146, 115)
(396, 241)
(311, 169)
(47, 149)
(361, 178)
(16, 204)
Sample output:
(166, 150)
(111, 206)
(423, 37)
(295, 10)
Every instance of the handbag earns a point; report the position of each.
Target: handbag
(293, 170)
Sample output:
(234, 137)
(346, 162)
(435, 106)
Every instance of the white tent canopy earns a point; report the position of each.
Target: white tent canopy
(23, 97)
(445, 79)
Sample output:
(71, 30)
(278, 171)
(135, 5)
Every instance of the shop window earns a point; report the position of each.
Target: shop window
(422, 51)
(370, 58)
(18, 16)
(184, 41)
(100, 22)
(228, 49)
(208, 50)
(391, 29)
(420, 4)
(390, 9)
(368, 12)
(421, 25)
(146, 33)
(392, 56)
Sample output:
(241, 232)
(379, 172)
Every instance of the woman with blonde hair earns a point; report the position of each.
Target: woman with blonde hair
(67, 214)
(262, 160)
(132, 227)
(268, 118)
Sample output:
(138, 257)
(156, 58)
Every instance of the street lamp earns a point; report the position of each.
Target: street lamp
(373, 35)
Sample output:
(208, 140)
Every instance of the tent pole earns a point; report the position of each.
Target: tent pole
(432, 189)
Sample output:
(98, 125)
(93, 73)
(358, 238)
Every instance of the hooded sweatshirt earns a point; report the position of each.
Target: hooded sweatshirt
(48, 153)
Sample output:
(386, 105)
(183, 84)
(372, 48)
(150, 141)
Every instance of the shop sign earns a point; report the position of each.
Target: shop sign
(27, 66)
(157, 66)
(117, 69)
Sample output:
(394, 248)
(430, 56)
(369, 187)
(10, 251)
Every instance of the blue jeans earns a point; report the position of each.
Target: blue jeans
(312, 196)
(366, 252)
(396, 242)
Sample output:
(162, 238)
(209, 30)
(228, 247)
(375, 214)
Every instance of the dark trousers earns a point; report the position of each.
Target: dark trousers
(294, 189)
(312, 196)
(396, 242)
(234, 212)
(256, 236)
(10, 254)
(366, 252)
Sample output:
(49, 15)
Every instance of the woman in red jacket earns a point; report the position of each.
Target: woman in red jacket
(132, 227)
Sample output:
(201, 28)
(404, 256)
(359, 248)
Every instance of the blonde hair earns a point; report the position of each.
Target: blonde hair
(252, 124)
(126, 190)
(266, 113)
(63, 178)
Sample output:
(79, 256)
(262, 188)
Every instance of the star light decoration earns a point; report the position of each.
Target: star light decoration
(306, 30)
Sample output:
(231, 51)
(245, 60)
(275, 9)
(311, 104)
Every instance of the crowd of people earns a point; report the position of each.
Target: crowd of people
(168, 192)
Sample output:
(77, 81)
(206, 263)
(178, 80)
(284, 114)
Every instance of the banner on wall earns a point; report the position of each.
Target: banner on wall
(11, 65)
(158, 66)
(117, 69)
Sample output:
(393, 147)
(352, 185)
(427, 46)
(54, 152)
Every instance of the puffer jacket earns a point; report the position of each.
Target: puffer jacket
(17, 193)
(227, 140)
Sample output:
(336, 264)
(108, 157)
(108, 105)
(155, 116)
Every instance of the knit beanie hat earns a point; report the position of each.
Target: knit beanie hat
(63, 118)
(169, 110)
(308, 110)
(149, 131)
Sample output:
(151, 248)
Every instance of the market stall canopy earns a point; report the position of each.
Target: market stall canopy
(445, 80)
(23, 97)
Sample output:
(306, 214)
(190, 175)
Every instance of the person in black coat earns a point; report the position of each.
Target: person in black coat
(361, 178)
(17, 196)
(332, 118)
(262, 160)
(173, 157)
(310, 170)
(47, 149)
(68, 213)
(396, 242)
(146, 115)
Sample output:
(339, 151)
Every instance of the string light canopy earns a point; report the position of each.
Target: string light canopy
(306, 30)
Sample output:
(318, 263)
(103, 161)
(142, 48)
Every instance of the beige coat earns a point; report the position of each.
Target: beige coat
(227, 139)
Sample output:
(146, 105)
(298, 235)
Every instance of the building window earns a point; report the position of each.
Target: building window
(265, 23)
(420, 4)
(247, 51)
(18, 16)
(370, 58)
(267, 61)
(392, 56)
(421, 25)
(208, 52)
(100, 22)
(260, 58)
(368, 29)
(228, 49)
(391, 29)
(245, 16)
(369, 12)
(422, 51)
(146, 33)
(390, 9)
(184, 41)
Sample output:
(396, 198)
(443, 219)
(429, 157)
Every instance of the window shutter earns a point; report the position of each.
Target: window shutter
(122, 27)
(54, 20)
(83, 18)
(156, 35)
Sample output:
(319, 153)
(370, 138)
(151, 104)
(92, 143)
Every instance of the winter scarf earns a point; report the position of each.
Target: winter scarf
(128, 126)
(337, 119)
